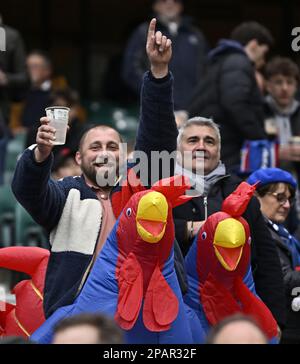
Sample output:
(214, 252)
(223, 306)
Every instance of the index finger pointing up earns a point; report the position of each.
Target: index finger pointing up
(151, 29)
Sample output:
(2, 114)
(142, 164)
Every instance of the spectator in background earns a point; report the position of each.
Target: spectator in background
(237, 329)
(12, 79)
(189, 51)
(64, 164)
(87, 329)
(229, 92)
(12, 68)
(37, 98)
(276, 194)
(282, 110)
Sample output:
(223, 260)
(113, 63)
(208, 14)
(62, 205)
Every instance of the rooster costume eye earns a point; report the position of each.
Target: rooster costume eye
(204, 235)
(128, 212)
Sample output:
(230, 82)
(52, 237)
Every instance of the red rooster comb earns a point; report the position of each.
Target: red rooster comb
(173, 189)
(236, 203)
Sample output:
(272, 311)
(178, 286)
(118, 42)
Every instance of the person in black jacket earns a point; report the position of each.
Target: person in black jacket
(229, 94)
(276, 193)
(189, 51)
(200, 139)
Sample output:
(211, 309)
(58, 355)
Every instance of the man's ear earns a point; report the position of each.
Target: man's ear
(78, 158)
(252, 44)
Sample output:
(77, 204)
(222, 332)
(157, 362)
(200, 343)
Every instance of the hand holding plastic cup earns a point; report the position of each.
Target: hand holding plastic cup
(59, 117)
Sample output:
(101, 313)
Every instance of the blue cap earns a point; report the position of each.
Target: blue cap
(266, 176)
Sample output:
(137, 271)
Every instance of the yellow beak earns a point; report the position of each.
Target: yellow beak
(151, 217)
(229, 241)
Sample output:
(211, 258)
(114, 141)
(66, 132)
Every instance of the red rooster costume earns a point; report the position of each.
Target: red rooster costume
(27, 315)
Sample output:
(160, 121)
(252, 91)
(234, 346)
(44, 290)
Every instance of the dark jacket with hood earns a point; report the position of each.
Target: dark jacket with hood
(229, 94)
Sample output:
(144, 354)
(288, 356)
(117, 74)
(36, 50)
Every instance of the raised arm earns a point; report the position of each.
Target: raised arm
(157, 129)
(37, 193)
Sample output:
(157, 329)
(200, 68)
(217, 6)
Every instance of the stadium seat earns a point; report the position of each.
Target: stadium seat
(7, 216)
(27, 231)
(14, 148)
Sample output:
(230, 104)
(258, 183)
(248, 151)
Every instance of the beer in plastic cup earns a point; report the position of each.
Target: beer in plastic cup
(59, 117)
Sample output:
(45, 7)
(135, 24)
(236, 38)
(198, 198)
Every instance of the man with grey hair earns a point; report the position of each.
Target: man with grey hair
(199, 149)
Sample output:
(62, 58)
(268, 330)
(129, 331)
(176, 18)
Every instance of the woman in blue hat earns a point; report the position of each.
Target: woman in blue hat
(276, 190)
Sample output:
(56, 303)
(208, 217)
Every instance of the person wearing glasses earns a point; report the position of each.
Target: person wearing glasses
(275, 191)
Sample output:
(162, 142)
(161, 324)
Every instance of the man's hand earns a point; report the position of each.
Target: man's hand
(159, 51)
(44, 138)
(181, 116)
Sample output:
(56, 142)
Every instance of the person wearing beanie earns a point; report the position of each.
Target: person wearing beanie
(275, 191)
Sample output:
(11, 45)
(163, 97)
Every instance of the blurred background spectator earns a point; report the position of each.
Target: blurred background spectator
(189, 51)
(237, 329)
(229, 92)
(87, 329)
(12, 68)
(12, 78)
(282, 110)
(37, 97)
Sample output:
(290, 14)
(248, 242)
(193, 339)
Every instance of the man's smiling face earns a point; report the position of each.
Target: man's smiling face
(203, 147)
(99, 154)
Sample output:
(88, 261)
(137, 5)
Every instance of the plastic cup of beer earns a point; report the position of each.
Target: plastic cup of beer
(59, 117)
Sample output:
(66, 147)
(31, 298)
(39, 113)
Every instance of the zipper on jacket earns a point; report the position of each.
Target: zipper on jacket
(205, 207)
